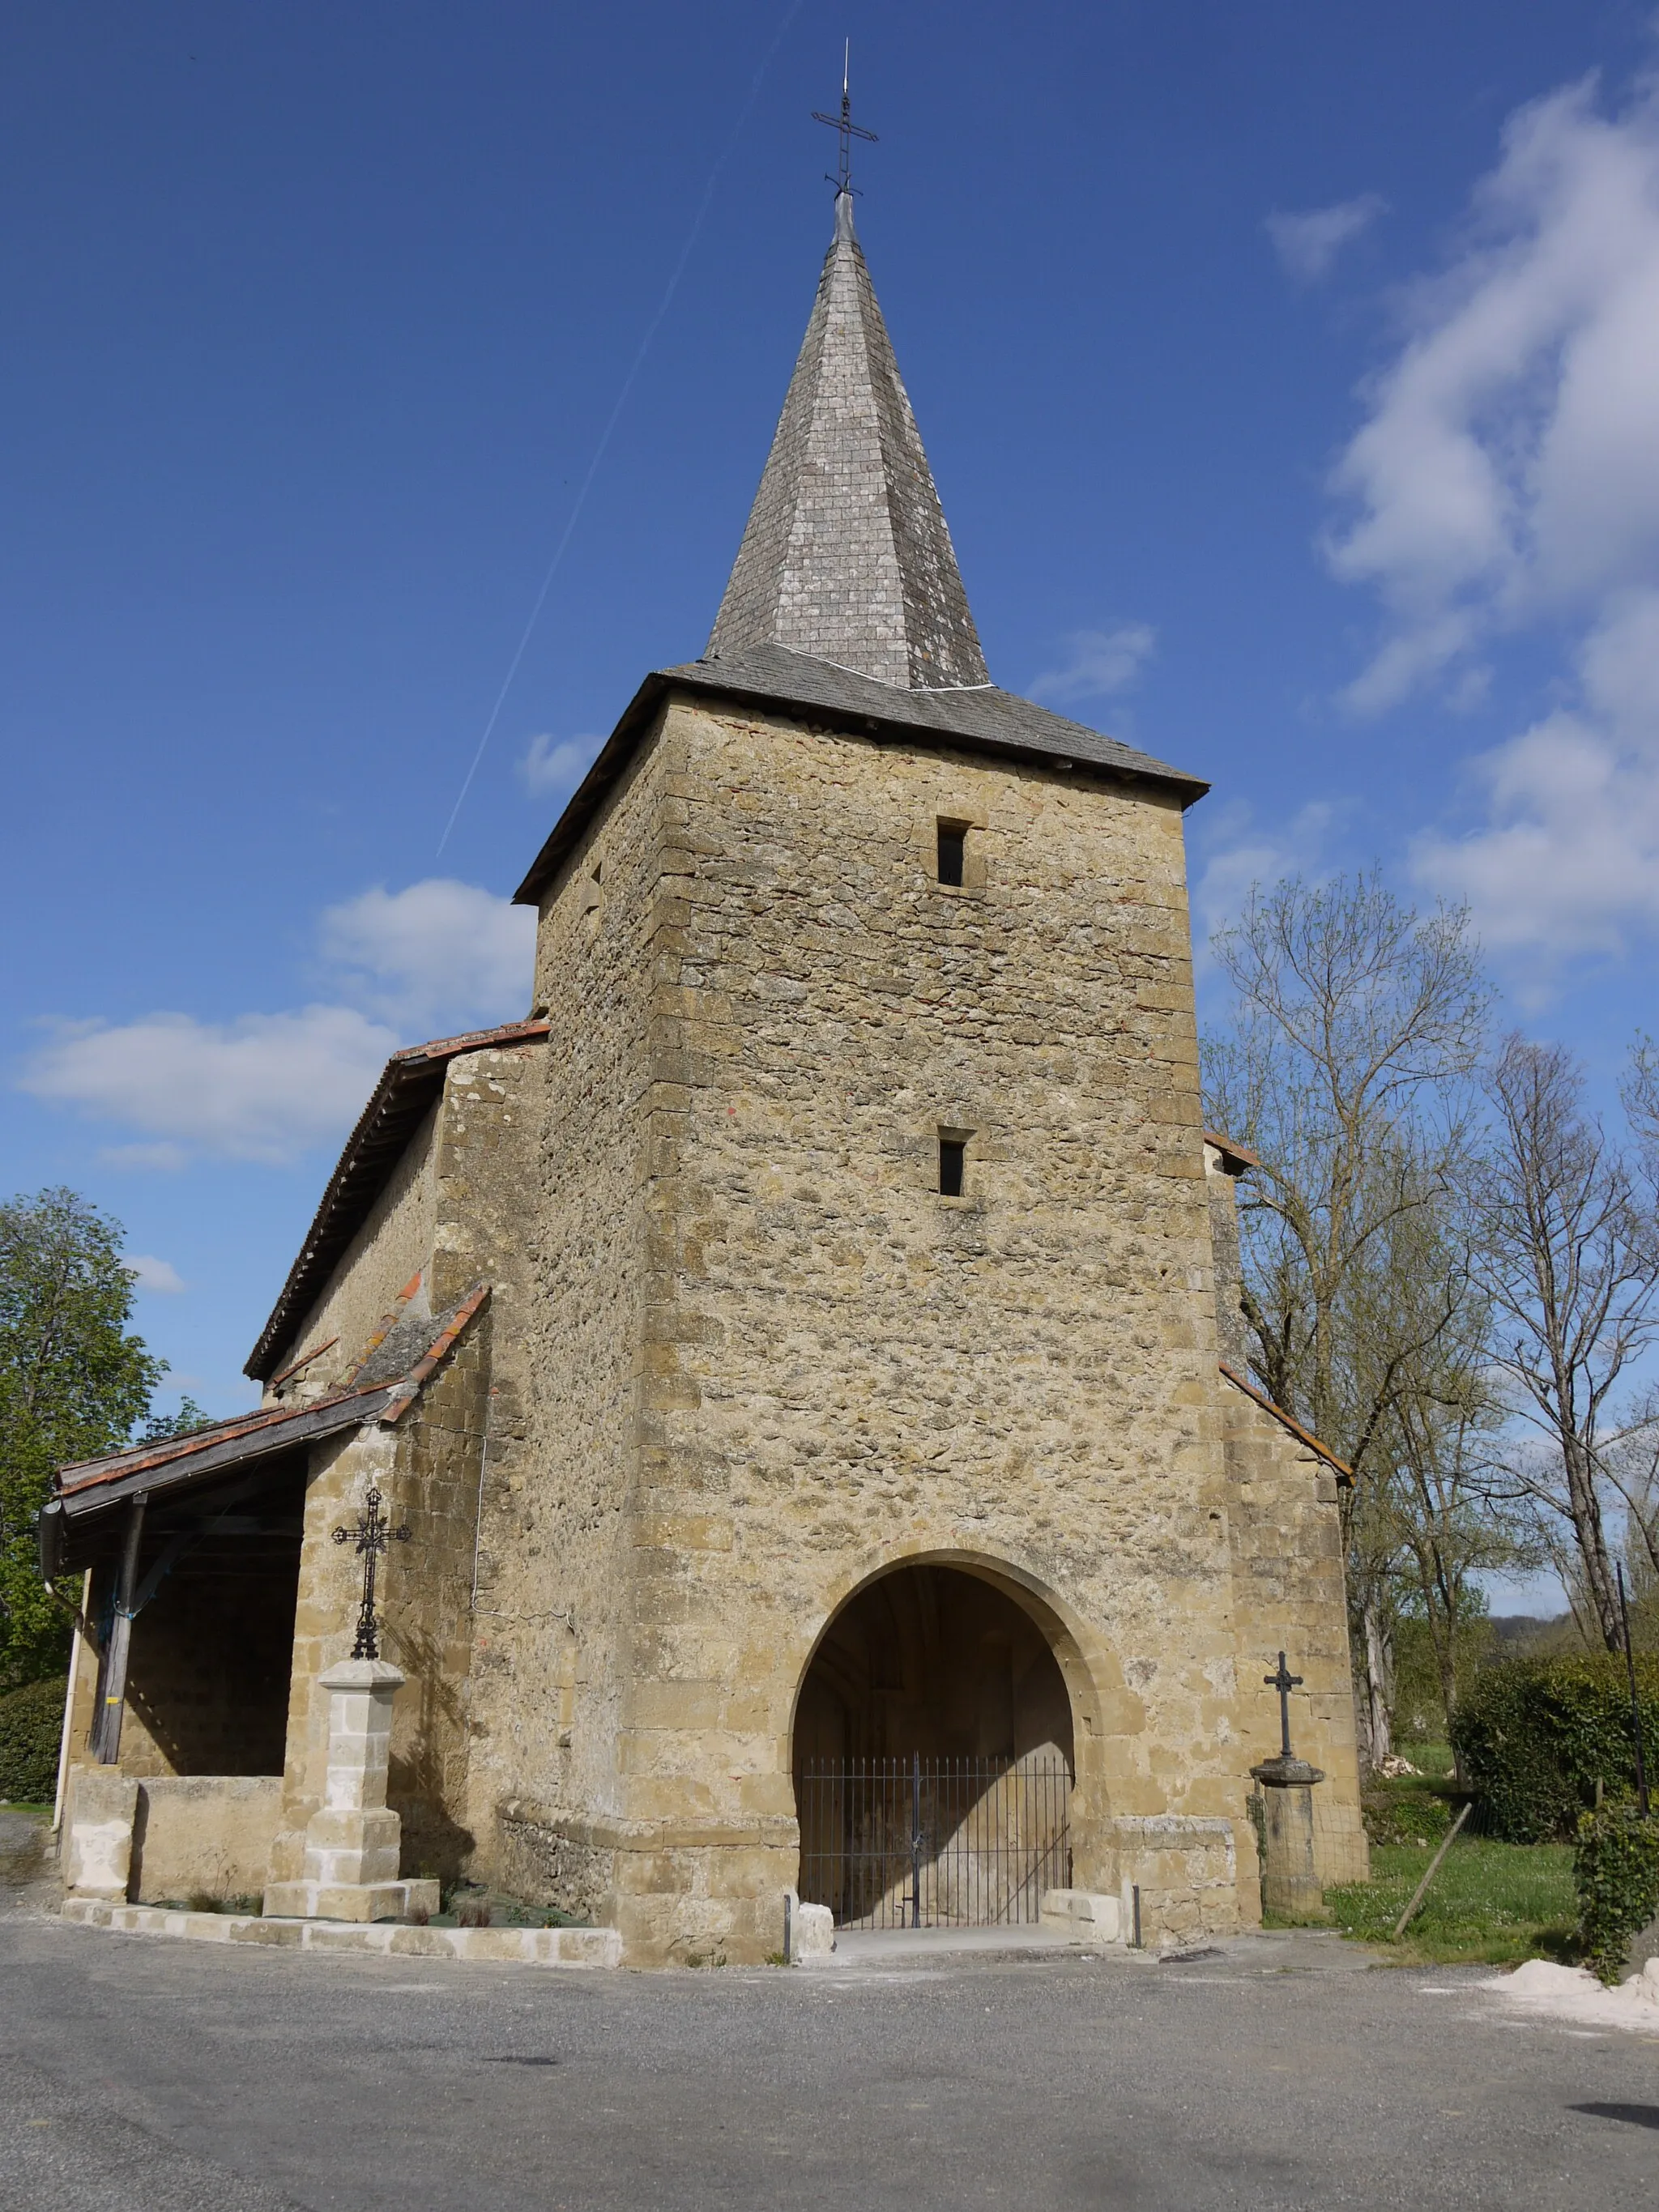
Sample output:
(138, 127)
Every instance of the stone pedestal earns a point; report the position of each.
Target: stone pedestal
(352, 1841)
(1290, 1887)
(99, 1818)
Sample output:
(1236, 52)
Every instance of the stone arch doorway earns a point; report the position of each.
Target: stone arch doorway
(933, 1756)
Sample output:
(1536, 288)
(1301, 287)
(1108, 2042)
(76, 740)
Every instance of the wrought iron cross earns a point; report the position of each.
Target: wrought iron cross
(843, 123)
(372, 1534)
(1283, 1682)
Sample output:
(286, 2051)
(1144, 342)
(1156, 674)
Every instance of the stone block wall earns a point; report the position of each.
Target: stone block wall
(428, 1616)
(555, 1624)
(393, 1247)
(469, 1179)
(836, 1368)
(1287, 1549)
(202, 1835)
(743, 1356)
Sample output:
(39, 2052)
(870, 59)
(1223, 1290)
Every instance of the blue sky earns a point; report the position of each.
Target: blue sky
(1288, 373)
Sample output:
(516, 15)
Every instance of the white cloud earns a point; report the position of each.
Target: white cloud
(264, 1087)
(1566, 859)
(1308, 245)
(439, 952)
(1097, 662)
(1507, 479)
(1238, 852)
(150, 1274)
(549, 763)
(161, 1158)
(437, 957)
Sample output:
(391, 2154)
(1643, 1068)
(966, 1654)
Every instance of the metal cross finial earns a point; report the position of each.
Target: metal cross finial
(843, 123)
(371, 1535)
(1283, 1682)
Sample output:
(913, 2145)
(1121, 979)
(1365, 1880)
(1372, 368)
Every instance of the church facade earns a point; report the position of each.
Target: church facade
(809, 1338)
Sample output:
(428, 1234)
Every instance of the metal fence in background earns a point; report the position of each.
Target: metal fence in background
(915, 1842)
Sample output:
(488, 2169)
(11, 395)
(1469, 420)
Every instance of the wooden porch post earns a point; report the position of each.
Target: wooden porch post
(120, 1637)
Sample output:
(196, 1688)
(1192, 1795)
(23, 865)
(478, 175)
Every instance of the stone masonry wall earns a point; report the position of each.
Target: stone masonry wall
(393, 1245)
(741, 1355)
(552, 1649)
(428, 1620)
(844, 1369)
(476, 1154)
(488, 1167)
(1232, 1335)
(1287, 1552)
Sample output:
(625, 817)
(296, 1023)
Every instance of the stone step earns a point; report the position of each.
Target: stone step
(524, 1946)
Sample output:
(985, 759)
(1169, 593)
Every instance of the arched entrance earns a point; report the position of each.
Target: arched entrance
(932, 1757)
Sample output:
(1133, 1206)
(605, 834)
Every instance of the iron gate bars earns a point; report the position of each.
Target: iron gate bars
(921, 1842)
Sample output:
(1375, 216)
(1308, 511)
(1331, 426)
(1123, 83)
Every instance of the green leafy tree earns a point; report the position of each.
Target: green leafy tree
(73, 1382)
(185, 1422)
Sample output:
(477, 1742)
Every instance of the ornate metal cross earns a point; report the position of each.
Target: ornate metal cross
(372, 1534)
(843, 123)
(1283, 1682)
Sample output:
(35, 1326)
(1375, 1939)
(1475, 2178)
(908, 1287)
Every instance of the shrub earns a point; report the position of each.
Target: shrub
(1406, 1816)
(1536, 1736)
(31, 1728)
(1615, 1868)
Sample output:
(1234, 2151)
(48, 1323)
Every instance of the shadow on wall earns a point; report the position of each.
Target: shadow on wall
(932, 1660)
(932, 1757)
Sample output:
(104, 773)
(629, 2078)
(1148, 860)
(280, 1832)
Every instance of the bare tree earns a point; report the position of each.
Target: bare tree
(1573, 1274)
(1630, 1463)
(1430, 1486)
(1357, 1024)
(1640, 1090)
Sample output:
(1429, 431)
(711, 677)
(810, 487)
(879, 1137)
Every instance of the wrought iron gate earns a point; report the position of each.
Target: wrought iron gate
(934, 1842)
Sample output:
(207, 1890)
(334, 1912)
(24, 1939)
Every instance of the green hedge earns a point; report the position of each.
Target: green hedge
(1535, 1735)
(1615, 1869)
(31, 1727)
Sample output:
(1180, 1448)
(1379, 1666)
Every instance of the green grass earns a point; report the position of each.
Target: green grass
(1494, 1903)
(1432, 1760)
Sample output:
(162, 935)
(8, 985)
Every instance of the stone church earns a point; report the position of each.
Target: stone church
(806, 1347)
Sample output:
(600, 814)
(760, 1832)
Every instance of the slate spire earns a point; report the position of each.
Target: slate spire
(846, 556)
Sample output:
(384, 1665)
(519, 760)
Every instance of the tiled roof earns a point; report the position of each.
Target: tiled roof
(175, 1463)
(969, 718)
(846, 556)
(1234, 1158)
(846, 605)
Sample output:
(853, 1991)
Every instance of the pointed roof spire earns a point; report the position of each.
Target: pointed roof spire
(846, 556)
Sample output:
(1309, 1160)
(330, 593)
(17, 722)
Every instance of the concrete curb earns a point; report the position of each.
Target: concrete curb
(512, 1947)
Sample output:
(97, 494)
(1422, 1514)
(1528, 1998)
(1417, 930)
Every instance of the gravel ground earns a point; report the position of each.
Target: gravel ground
(157, 2077)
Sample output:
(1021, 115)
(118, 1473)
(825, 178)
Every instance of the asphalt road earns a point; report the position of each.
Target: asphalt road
(160, 2076)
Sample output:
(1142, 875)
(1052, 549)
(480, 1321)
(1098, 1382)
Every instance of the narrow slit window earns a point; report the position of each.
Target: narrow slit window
(952, 1157)
(953, 851)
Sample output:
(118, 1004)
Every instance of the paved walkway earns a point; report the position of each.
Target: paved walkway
(140, 2076)
(1310, 1951)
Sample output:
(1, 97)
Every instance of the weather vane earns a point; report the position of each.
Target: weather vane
(372, 1534)
(844, 124)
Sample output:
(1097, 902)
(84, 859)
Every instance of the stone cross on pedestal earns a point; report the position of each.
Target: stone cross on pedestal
(353, 1840)
(1283, 1682)
(1290, 1887)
